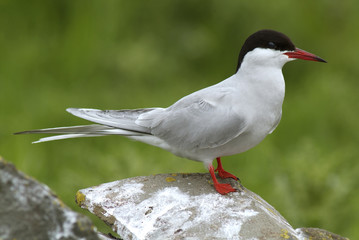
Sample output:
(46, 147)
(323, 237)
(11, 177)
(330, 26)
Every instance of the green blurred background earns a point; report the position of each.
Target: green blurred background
(133, 54)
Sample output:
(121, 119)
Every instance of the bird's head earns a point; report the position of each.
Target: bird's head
(271, 48)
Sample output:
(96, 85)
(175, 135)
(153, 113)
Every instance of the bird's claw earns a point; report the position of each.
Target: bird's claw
(224, 188)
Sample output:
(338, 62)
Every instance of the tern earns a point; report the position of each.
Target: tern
(224, 119)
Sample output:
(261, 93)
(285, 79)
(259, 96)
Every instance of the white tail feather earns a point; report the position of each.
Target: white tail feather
(65, 136)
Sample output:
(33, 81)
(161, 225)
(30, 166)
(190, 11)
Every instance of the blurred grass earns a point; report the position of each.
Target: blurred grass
(122, 54)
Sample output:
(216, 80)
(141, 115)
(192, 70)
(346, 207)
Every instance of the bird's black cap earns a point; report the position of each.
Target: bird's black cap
(265, 39)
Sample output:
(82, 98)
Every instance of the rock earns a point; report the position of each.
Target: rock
(317, 234)
(182, 206)
(30, 210)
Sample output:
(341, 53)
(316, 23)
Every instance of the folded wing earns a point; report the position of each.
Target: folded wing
(195, 123)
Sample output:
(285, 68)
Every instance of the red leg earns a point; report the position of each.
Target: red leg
(221, 172)
(222, 188)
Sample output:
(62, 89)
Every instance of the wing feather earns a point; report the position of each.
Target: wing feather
(196, 122)
(123, 119)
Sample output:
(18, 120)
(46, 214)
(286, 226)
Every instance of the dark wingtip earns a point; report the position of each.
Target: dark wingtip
(23, 132)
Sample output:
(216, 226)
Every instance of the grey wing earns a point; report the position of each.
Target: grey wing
(201, 124)
(123, 119)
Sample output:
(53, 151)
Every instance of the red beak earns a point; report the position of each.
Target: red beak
(301, 54)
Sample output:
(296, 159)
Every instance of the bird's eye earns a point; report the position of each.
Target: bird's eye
(271, 45)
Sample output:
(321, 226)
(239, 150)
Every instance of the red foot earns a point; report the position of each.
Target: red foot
(221, 172)
(221, 188)
(224, 188)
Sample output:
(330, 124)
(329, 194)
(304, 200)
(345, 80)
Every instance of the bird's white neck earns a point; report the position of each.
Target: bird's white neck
(263, 84)
(261, 73)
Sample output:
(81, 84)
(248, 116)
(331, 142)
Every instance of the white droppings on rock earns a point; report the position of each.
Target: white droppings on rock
(66, 230)
(150, 208)
(185, 206)
(172, 209)
(113, 191)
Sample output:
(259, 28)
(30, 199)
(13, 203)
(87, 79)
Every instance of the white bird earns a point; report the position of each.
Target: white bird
(227, 118)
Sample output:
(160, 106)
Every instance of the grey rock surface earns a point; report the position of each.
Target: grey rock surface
(186, 206)
(30, 210)
(317, 234)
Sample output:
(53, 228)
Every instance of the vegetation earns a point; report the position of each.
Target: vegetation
(133, 54)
